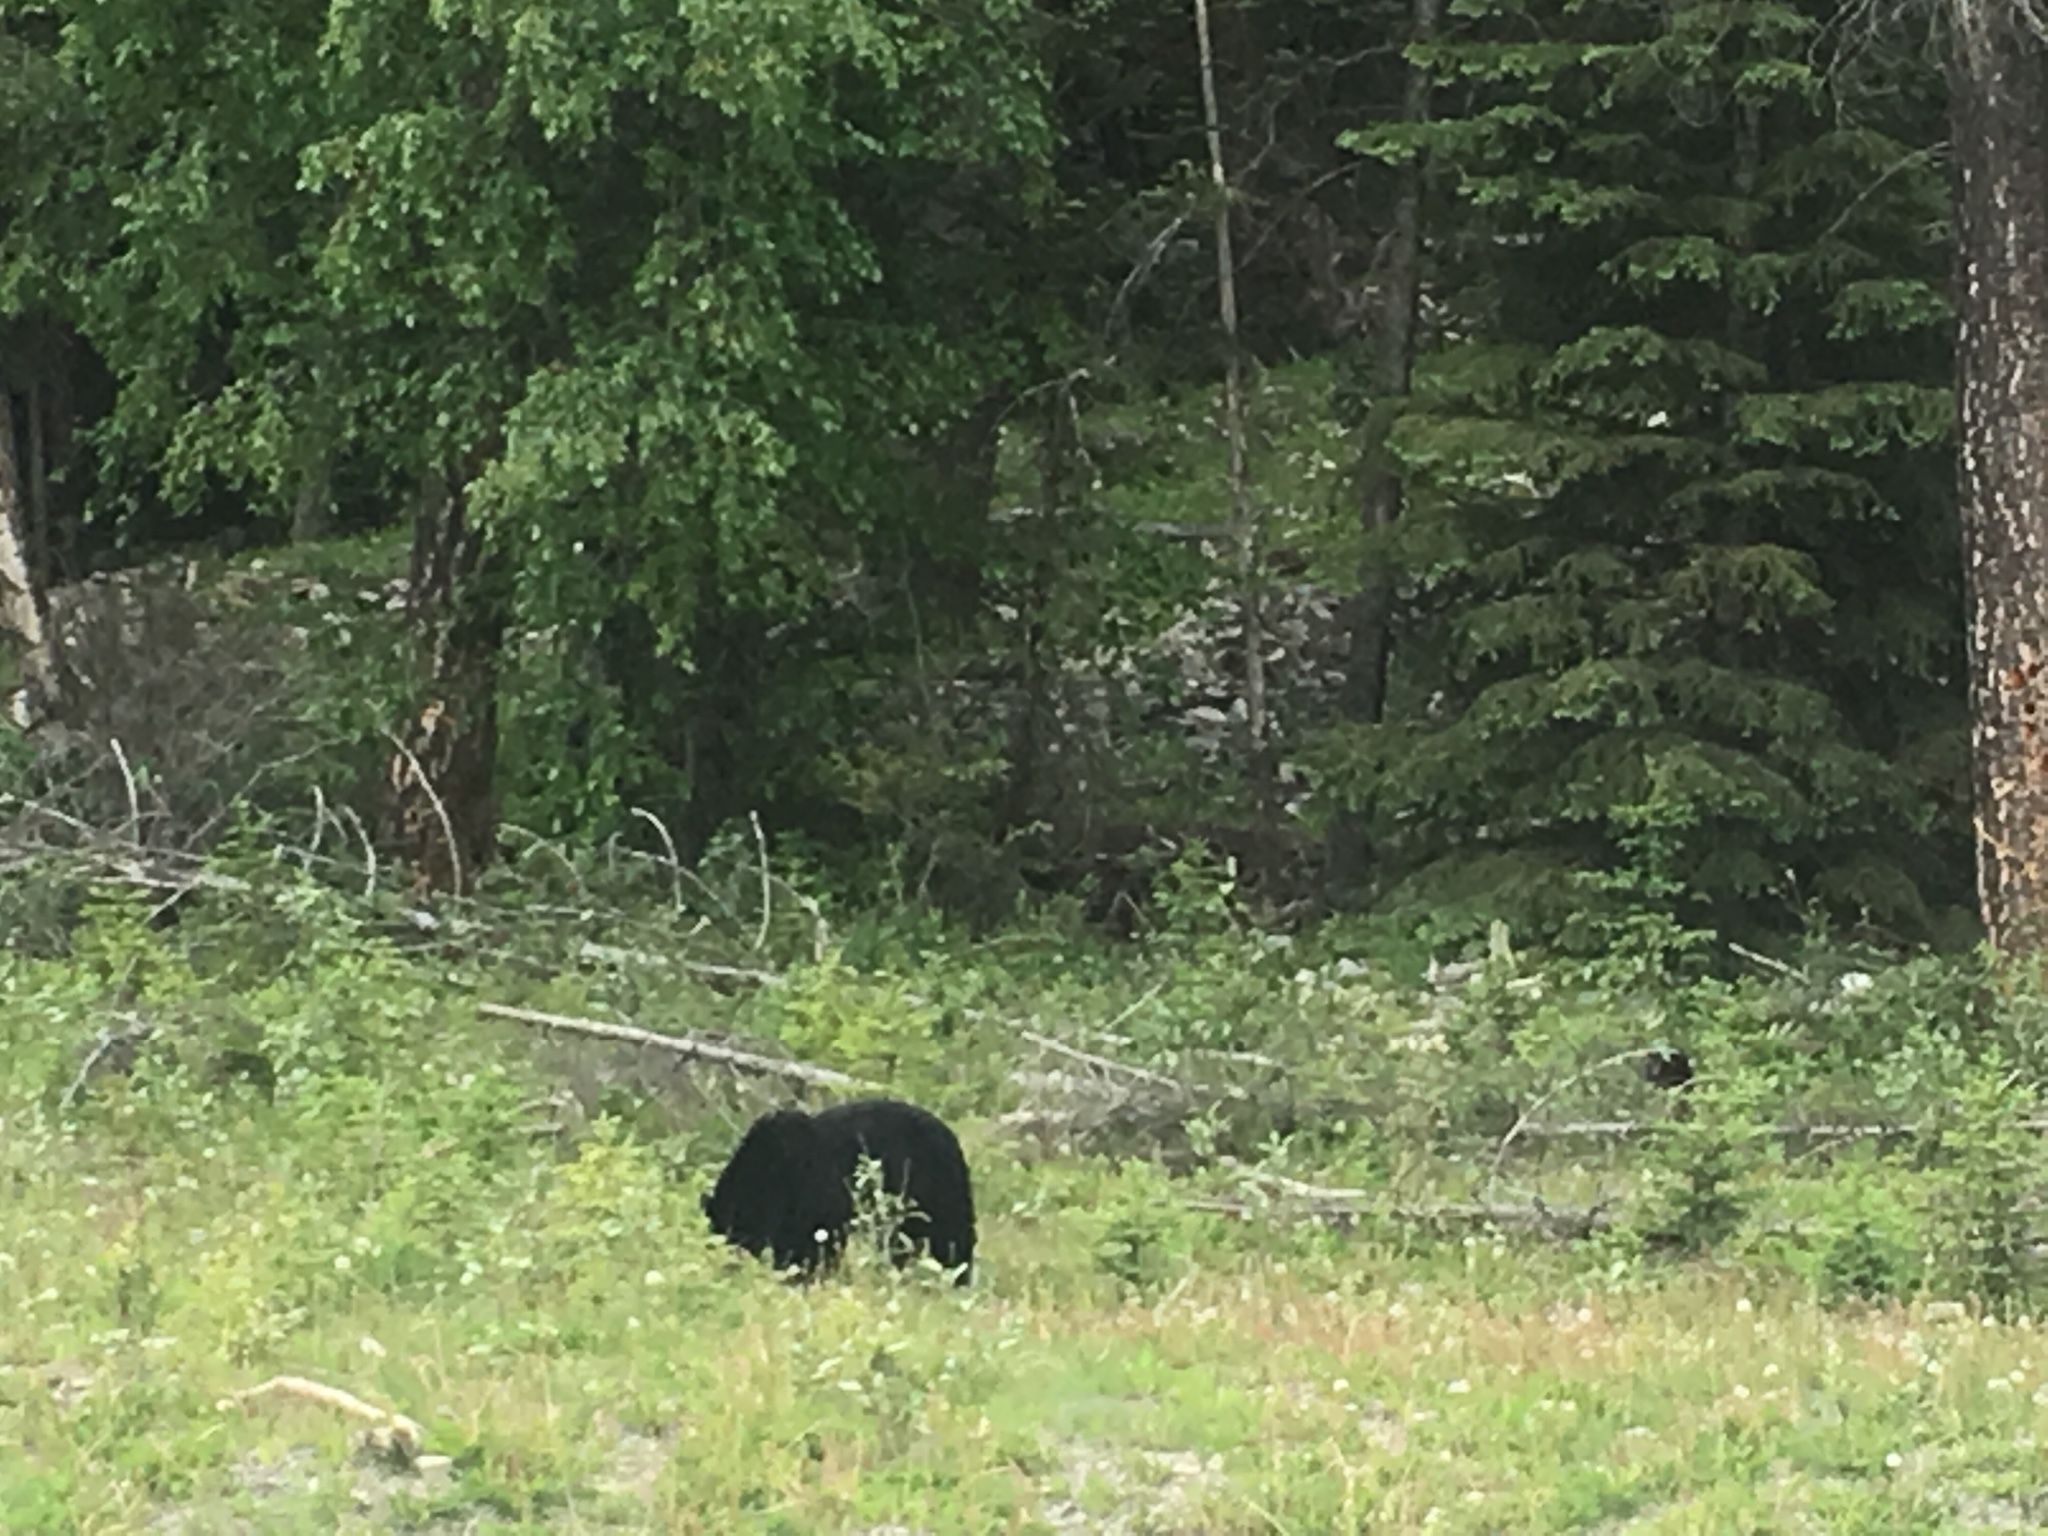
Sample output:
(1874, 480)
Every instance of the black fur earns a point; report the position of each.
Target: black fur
(787, 1187)
(1667, 1067)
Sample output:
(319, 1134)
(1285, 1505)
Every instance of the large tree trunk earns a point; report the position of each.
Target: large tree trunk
(1392, 335)
(442, 776)
(1998, 98)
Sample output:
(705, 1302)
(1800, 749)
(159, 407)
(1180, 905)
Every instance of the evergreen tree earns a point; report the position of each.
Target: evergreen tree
(1680, 604)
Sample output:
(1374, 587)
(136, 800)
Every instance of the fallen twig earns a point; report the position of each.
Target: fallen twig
(1522, 1120)
(681, 1045)
(1765, 961)
(1073, 1052)
(1563, 1223)
(1567, 1222)
(612, 954)
(1100, 1063)
(1624, 1129)
(391, 1434)
(1311, 1191)
(110, 1046)
(730, 972)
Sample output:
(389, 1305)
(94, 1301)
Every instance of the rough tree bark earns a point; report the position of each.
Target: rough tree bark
(1998, 128)
(24, 601)
(1392, 334)
(442, 774)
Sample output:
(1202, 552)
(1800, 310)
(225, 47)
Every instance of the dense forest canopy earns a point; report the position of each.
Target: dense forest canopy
(816, 413)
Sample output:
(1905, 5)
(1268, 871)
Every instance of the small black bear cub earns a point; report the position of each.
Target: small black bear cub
(787, 1187)
(1667, 1067)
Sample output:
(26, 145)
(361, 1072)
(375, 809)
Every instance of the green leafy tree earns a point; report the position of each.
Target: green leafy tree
(645, 310)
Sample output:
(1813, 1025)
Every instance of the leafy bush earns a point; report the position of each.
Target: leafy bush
(869, 1026)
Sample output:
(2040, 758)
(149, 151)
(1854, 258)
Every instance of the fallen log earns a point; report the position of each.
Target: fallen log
(1560, 1223)
(680, 1045)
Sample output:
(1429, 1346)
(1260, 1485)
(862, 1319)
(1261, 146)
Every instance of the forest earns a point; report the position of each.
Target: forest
(1391, 648)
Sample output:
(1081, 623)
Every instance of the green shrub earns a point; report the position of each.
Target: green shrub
(1704, 1165)
(1989, 1167)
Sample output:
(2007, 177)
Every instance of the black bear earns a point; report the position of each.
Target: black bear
(788, 1185)
(1666, 1066)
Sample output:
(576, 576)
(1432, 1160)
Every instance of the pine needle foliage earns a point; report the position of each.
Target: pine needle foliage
(1680, 624)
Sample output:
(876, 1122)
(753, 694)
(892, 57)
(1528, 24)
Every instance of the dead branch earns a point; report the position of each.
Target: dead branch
(1569, 1130)
(1566, 1223)
(369, 849)
(1100, 1063)
(1241, 1058)
(390, 1434)
(1075, 1053)
(613, 954)
(1559, 1223)
(767, 888)
(108, 855)
(426, 784)
(681, 1045)
(1622, 1130)
(675, 859)
(730, 972)
(1311, 1191)
(128, 779)
(1764, 962)
(1522, 1121)
(112, 1050)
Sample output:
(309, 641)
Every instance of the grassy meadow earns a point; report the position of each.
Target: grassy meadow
(322, 1163)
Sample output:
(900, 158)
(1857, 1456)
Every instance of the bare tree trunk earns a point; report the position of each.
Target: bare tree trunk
(1393, 317)
(313, 503)
(442, 775)
(1998, 128)
(24, 601)
(1243, 517)
(1022, 798)
(39, 405)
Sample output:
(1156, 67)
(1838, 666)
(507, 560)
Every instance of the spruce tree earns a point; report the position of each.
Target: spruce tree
(1680, 618)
